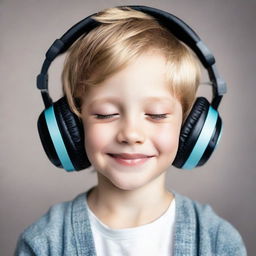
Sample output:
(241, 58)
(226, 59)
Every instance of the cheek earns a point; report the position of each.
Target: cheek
(167, 139)
(96, 137)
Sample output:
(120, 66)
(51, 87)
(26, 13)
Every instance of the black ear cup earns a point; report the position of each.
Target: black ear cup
(70, 129)
(199, 135)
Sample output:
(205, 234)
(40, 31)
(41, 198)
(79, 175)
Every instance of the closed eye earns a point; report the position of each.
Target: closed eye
(152, 116)
(100, 116)
(157, 116)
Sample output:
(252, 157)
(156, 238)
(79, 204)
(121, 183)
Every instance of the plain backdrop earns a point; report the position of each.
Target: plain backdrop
(30, 184)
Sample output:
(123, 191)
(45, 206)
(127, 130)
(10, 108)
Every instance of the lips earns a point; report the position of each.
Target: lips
(129, 156)
(128, 159)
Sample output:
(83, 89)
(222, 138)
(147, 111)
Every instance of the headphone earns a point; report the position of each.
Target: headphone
(61, 131)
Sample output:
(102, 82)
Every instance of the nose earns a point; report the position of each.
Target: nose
(131, 132)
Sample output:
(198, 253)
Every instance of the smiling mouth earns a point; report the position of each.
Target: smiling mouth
(130, 159)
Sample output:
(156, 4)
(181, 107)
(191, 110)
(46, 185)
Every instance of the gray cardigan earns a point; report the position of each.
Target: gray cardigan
(65, 230)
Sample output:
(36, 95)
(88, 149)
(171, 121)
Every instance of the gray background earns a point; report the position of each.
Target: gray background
(29, 184)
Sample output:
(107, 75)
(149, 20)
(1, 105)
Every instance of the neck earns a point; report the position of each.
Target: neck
(119, 208)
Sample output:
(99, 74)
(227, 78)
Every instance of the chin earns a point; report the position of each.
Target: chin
(127, 187)
(131, 182)
(123, 183)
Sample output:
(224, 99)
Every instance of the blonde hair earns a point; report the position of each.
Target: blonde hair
(124, 35)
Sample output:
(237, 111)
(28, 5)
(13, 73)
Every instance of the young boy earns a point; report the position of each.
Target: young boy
(132, 84)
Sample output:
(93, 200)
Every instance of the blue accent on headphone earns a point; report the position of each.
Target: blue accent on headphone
(57, 139)
(203, 139)
(221, 129)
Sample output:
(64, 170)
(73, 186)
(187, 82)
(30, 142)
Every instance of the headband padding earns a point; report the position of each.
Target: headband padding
(71, 129)
(190, 130)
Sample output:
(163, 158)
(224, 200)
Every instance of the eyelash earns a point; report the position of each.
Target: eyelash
(99, 116)
(153, 116)
(157, 116)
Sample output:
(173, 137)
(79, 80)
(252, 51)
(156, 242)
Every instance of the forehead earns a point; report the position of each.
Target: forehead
(148, 68)
(145, 75)
(161, 101)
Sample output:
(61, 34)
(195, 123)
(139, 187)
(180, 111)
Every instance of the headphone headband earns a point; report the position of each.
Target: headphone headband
(175, 25)
(61, 131)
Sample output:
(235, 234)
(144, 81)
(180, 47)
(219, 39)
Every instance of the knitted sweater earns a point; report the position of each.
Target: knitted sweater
(65, 230)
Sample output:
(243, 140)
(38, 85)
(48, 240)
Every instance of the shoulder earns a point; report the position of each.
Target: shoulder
(211, 231)
(52, 221)
(50, 232)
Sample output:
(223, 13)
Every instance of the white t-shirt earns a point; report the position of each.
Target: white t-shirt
(155, 238)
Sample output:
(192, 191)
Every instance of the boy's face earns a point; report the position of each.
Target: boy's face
(132, 124)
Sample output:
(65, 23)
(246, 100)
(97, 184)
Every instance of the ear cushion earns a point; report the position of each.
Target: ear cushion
(71, 130)
(190, 130)
(73, 134)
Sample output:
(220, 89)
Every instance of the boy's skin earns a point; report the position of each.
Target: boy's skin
(132, 195)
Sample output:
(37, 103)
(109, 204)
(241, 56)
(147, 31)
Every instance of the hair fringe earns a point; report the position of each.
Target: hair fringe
(123, 36)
